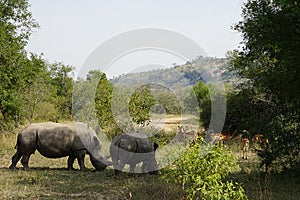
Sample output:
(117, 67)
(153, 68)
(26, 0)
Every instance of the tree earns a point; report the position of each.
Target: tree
(103, 100)
(201, 91)
(270, 58)
(62, 81)
(166, 101)
(140, 104)
(16, 72)
(38, 97)
(270, 64)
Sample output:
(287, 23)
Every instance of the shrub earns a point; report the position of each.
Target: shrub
(202, 170)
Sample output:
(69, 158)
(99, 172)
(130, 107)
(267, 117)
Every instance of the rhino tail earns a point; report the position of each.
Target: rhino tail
(155, 145)
(18, 141)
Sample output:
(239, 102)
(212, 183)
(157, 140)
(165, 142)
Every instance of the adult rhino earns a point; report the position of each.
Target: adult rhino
(133, 148)
(55, 140)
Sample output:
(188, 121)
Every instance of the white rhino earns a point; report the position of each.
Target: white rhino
(133, 148)
(55, 140)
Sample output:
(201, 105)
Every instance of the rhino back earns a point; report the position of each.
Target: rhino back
(56, 142)
(131, 147)
(136, 142)
(144, 146)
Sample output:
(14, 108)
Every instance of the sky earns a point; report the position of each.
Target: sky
(70, 31)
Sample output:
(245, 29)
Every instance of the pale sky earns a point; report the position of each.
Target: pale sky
(70, 30)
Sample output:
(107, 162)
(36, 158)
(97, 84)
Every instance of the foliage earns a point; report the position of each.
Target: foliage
(207, 96)
(193, 76)
(16, 70)
(62, 81)
(269, 67)
(38, 93)
(270, 58)
(29, 85)
(140, 104)
(201, 91)
(116, 108)
(16, 24)
(103, 103)
(202, 170)
(166, 102)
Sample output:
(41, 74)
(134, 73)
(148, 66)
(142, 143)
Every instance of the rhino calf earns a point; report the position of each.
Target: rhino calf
(133, 148)
(54, 140)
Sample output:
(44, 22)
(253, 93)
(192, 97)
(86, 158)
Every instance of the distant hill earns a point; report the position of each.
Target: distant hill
(203, 68)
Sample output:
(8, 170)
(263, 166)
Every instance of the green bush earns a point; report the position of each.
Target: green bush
(202, 170)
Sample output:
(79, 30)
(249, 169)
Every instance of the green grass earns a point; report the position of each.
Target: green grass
(49, 179)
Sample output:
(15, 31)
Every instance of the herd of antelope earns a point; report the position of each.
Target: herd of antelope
(257, 139)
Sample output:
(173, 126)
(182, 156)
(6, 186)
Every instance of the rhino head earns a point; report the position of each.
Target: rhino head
(99, 164)
(93, 146)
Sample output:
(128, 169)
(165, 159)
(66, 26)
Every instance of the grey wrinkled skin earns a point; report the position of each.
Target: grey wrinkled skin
(133, 148)
(54, 140)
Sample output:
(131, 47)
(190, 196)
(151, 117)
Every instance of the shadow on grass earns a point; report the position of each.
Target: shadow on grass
(60, 183)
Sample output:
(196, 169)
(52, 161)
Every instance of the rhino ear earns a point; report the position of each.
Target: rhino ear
(97, 144)
(155, 145)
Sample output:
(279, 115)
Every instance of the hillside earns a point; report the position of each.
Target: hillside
(203, 68)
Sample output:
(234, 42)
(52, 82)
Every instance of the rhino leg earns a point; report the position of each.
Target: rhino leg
(25, 160)
(118, 167)
(71, 160)
(150, 167)
(132, 168)
(80, 159)
(144, 167)
(15, 159)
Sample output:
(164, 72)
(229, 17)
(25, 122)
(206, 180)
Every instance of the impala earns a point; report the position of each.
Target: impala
(261, 140)
(244, 147)
(257, 138)
(214, 137)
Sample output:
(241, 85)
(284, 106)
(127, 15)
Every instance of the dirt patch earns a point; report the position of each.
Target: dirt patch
(171, 123)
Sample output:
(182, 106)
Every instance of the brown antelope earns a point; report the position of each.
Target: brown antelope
(214, 137)
(225, 137)
(257, 138)
(261, 140)
(244, 147)
(185, 134)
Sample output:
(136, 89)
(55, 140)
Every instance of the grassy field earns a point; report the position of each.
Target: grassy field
(49, 179)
